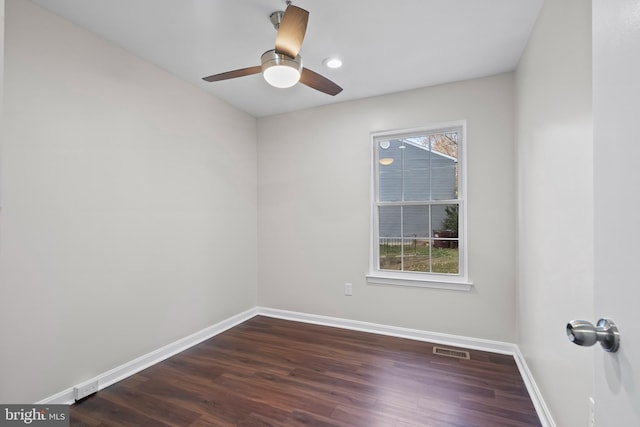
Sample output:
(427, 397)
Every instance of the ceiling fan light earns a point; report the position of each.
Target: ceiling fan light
(280, 70)
(281, 76)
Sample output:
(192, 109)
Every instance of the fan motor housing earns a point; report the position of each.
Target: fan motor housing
(281, 70)
(270, 58)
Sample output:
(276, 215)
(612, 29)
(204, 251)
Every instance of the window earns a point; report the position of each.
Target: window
(418, 208)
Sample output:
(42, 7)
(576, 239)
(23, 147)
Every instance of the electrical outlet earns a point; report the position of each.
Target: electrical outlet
(348, 289)
(85, 389)
(592, 412)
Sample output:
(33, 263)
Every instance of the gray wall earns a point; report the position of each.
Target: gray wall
(116, 236)
(314, 210)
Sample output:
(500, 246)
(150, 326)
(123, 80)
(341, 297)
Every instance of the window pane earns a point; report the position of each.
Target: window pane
(389, 220)
(445, 217)
(389, 171)
(417, 179)
(415, 221)
(390, 253)
(444, 166)
(417, 255)
(445, 260)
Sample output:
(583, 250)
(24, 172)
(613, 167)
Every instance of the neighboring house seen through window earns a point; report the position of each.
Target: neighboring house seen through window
(418, 206)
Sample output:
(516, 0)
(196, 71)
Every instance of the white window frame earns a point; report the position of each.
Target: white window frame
(458, 281)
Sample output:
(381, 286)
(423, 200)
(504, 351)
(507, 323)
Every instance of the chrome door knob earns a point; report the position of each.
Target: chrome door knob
(583, 333)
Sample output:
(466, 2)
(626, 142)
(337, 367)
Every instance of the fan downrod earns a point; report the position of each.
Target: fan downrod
(276, 17)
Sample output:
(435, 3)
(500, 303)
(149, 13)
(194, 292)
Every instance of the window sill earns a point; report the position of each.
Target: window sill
(416, 280)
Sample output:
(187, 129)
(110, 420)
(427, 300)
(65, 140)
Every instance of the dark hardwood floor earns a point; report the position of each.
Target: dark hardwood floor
(271, 372)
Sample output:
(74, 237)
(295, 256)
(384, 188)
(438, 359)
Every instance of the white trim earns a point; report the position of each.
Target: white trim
(434, 337)
(125, 370)
(393, 331)
(432, 281)
(538, 402)
(407, 133)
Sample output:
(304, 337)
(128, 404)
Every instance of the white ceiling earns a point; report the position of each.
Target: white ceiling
(386, 47)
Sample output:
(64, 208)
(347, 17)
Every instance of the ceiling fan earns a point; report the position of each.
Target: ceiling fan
(282, 67)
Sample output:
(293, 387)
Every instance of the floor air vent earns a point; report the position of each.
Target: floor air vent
(458, 354)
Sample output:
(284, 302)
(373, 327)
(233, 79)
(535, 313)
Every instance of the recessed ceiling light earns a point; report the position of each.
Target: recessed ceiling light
(333, 62)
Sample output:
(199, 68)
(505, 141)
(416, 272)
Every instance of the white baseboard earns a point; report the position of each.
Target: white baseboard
(434, 337)
(536, 397)
(127, 369)
(123, 371)
(394, 331)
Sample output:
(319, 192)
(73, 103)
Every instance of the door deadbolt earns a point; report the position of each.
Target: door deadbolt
(583, 333)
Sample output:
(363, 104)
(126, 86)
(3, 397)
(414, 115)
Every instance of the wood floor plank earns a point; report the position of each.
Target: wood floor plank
(273, 372)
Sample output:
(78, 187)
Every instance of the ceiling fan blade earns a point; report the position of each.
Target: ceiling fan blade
(291, 31)
(233, 74)
(318, 82)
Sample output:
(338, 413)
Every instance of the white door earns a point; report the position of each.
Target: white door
(616, 116)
